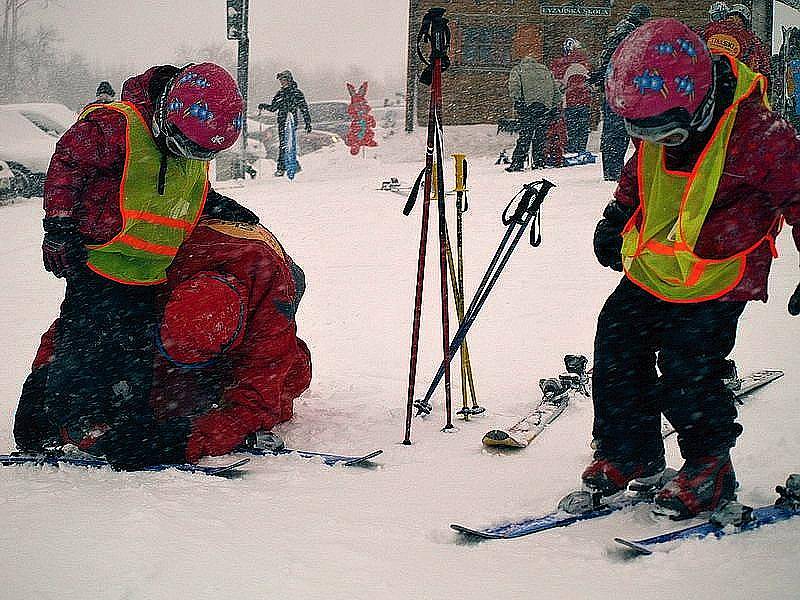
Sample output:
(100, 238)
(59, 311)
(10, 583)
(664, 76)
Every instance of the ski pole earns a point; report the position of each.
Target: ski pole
(433, 29)
(461, 209)
(423, 406)
(460, 163)
(527, 209)
(436, 90)
(466, 366)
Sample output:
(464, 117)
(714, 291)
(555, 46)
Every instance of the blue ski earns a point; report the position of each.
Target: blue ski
(730, 518)
(99, 463)
(558, 518)
(328, 459)
(765, 515)
(291, 147)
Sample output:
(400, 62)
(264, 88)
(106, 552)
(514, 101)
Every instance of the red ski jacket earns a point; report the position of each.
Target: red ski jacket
(253, 385)
(86, 169)
(740, 43)
(760, 184)
(577, 67)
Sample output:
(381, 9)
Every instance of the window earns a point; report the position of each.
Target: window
(486, 46)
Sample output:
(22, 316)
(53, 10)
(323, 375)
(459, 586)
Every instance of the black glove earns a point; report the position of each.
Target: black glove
(263, 106)
(226, 209)
(607, 235)
(608, 245)
(63, 250)
(308, 127)
(794, 302)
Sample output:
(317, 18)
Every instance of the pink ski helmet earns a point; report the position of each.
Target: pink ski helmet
(202, 111)
(663, 65)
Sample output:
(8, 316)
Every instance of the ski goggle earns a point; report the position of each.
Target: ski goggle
(668, 129)
(179, 145)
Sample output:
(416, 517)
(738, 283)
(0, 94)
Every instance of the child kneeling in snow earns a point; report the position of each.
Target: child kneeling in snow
(229, 361)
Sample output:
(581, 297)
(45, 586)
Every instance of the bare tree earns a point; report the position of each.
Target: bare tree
(10, 43)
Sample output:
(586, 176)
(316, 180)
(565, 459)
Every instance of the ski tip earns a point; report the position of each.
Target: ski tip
(495, 437)
(222, 470)
(498, 437)
(634, 546)
(471, 533)
(363, 459)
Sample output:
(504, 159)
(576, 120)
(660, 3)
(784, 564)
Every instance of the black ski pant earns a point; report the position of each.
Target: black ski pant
(613, 143)
(281, 161)
(138, 439)
(688, 343)
(577, 119)
(102, 364)
(533, 121)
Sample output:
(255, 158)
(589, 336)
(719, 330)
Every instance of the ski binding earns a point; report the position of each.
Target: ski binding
(731, 518)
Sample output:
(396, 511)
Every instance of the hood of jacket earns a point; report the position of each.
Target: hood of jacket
(144, 90)
(529, 62)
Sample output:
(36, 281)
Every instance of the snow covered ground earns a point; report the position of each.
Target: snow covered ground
(291, 528)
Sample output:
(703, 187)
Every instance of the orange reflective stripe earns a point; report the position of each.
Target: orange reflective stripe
(159, 220)
(696, 273)
(773, 248)
(658, 248)
(140, 244)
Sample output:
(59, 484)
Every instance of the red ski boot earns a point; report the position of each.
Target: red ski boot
(701, 485)
(608, 477)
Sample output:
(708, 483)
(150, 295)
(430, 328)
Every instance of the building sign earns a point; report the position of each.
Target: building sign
(577, 11)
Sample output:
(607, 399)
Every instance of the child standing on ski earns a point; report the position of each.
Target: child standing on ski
(692, 226)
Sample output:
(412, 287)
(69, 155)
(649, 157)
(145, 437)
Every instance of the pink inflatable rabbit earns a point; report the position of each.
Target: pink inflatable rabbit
(362, 128)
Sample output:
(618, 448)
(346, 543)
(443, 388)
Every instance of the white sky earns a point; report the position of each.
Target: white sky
(786, 16)
(315, 32)
(140, 33)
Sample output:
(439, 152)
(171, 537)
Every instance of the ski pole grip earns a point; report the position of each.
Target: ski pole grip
(460, 167)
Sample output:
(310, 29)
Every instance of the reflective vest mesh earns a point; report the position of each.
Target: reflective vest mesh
(659, 256)
(153, 225)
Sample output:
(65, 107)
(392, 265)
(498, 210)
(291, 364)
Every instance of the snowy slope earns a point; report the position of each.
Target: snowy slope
(294, 529)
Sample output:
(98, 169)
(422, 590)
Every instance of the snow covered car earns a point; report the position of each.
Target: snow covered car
(226, 161)
(6, 181)
(28, 136)
(265, 130)
(52, 118)
(330, 116)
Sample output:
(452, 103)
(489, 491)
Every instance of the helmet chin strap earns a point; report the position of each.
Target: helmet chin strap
(160, 113)
(704, 114)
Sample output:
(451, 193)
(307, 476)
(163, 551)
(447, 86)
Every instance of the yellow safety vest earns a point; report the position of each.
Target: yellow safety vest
(153, 225)
(659, 256)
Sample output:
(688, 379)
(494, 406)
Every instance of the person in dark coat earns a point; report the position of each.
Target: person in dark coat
(105, 93)
(692, 225)
(288, 99)
(126, 184)
(537, 100)
(614, 139)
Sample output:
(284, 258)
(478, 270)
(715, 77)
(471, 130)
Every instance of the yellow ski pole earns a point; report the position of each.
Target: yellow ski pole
(466, 366)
